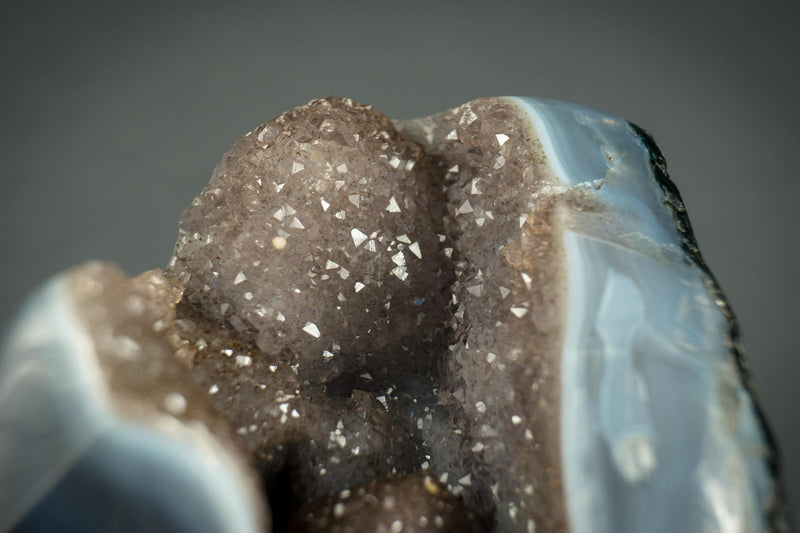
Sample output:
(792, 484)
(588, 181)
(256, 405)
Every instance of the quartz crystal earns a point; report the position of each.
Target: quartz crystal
(491, 319)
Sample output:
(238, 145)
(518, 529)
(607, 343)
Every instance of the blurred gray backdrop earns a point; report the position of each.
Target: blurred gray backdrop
(113, 115)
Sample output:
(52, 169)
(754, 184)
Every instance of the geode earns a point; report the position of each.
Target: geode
(491, 319)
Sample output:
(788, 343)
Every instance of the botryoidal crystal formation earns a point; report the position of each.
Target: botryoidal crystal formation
(352, 265)
(367, 317)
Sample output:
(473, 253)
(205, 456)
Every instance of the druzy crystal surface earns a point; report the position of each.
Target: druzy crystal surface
(492, 319)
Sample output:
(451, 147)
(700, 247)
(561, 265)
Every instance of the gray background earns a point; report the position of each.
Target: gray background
(113, 115)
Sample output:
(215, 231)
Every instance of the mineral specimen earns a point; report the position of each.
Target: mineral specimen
(492, 319)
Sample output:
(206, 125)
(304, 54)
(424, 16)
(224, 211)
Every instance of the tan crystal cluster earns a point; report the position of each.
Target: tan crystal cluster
(502, 371)
(364, 304)
(322, 231)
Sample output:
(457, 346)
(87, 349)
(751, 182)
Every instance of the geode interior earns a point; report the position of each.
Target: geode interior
(492, 319)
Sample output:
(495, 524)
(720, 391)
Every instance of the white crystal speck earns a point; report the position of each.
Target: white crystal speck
(312, 329)
(358, 236)
(393, 207)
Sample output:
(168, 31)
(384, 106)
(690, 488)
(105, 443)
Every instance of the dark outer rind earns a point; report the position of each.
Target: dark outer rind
(778, 514)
